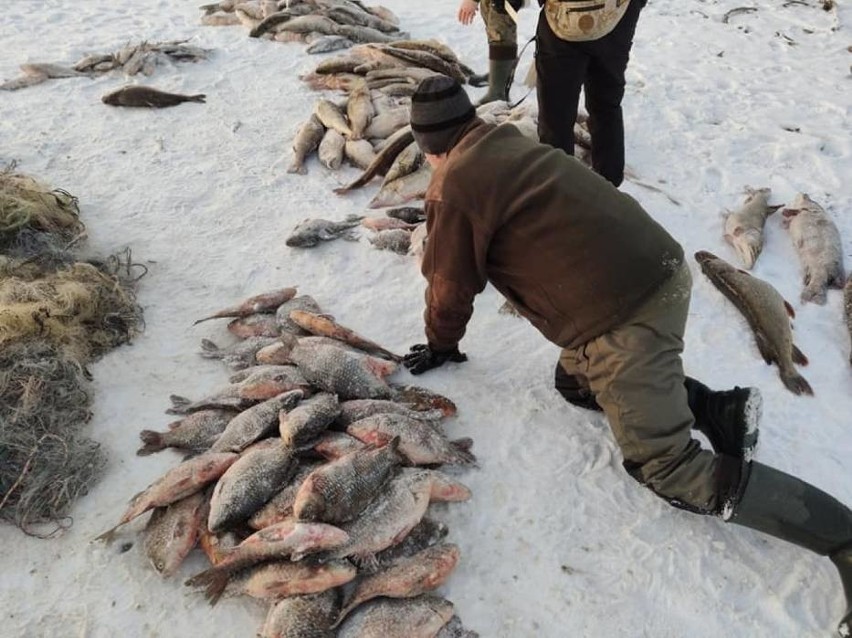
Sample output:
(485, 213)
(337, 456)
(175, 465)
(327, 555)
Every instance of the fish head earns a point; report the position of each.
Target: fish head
(110, 98)
(309, 505)
(706, 258)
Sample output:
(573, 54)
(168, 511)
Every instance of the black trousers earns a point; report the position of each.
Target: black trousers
(564, 68)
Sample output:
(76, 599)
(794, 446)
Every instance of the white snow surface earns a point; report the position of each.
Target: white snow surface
(557, 541)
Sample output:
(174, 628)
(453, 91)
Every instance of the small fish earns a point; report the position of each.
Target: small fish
(349, 375)
(744, 226)
(322, 326)
(263, 303)
(172, 532)
(255, 422)
(332, 117)
(311, 232)
(421, 617)
(146, 96)
(330, 150)
(408, 214)
(273, 581)
(198, 431)
(304, 423)
(818, 245)
(309, 616)
(307, 140)
(396, 240)
(241, 354)
(767, 313)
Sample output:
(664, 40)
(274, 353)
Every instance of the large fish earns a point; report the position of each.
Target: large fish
(255, 422)
(818, 245)
(339, 491)
(409, 160)
(744, 226)
(309, 616)
(176, 484)
(322, 326)
(330, 150)
(173, 531)
(357, 409)
(243, 354)
(307, 140)
(349, 375)
(332, 117)
(359, 110)
(257, 325)
(273, 581)
(280, 507)
(767, 313)
(195, 432)
(304, 423)
(384, 158)
(406, 577)
(310, 232)
(264, 303)
(282, 316)
(426, 533)
(421, 442)
(263, 382)
(403, 189)
(421, 617)
(360, 153)
(146, 96)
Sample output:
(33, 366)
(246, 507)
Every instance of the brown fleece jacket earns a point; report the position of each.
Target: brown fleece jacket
(571, 252)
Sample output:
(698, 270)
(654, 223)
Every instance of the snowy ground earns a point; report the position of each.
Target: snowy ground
(557, 540)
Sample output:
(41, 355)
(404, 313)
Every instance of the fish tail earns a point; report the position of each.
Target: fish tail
(297, 167)
(179, 405)
(814, 293)
(796, 383)
(464, 443)
(213, 580)
(108, 536)
(200, 97)
(198, 321)
(799, 356)
(209, 350)
(153, 443)
(461, 453)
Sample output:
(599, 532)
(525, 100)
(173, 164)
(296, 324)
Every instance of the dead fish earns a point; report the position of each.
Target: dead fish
(330, 150)
(387, 123)
(346, 374)
(311, 23)
(455, 629)
(261, 383)
(309, 419)
(421, 442)
(273, 581)
(396, 240)
(359, 110)
(408, 214)
(421, 617)
(383, 13)
(339, 491)
(428, 60)
(280, 507)
(90, 61)
(409, 160)
(277, 353)
(767, 314)
(22, 82)
(249, 483)
(311, 232)
(172, 532)
(332, 117)
(289, 36)
(358, 33)
(403, 189)
(220, 20)
(847, 307)
(282, 316)
(320, 325)
(255, 422)
(216, 547)
(306, 141)
(223, 5)
(241, 354)
(329, 43)
(379, 224)
(309, 616)
(744, 226)
(359, 153)
(423, 399)
(349, 14)
(337, 64)
(259, 325)
(263, 303)
(426, 533)
(146, 96)
(334, 445)
(52, 71)
(198, 431)
(406, 577)
(818, 245)
(398, 141)
(285, 540)
(431, 46)
(270, 22)
(176, 484)
(357, 409)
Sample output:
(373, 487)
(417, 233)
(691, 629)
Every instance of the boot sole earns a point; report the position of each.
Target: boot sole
(752, 413)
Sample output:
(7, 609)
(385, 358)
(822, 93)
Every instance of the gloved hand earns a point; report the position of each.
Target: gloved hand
(515, 4)
(422, 358)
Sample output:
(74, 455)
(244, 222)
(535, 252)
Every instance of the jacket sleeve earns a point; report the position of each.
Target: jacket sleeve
(454, 267)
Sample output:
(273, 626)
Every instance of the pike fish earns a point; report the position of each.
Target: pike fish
(309, 616)
(311, 232)
(172, 532)
(346, 374)
(255, 422)
(198, 431)
(406, 577)
(322, 326)
(767, 313)
(744, 226)
(263, 303)
(409, 160)
(339, 491)
(421, 617)
(818, 245)
(304, 423)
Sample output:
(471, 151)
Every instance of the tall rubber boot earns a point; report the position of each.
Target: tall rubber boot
(499, 71)
(729, 418)
(786, 507)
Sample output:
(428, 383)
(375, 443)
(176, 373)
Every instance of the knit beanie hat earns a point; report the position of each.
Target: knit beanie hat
(440, 109)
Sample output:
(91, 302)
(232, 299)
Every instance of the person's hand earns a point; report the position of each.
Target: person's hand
(422, 358)
(467, 11)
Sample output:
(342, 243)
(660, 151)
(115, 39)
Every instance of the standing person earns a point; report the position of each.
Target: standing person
(585, 45)
(502, 34)
(597, 276)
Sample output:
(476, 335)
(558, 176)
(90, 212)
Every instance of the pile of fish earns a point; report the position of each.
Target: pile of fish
(818, 245)
(143, 57)
(308, 481)
(326, 25)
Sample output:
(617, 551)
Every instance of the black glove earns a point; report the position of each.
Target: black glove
(422, 358)
(515, 4)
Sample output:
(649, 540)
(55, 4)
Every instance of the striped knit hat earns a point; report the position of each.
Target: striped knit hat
(440, 109)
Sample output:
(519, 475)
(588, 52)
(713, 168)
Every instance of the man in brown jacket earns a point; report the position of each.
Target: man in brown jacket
(596, 275)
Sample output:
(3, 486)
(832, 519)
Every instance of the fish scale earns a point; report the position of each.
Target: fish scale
(251, 424)
(281, 505)
(346, 374)
(306, 421)
(308, 616)
(421, 617)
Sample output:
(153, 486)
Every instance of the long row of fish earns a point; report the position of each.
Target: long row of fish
(308, 481)
(327, 25)
(141, 57)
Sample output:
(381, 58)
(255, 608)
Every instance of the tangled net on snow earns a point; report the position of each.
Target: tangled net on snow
(45, 465)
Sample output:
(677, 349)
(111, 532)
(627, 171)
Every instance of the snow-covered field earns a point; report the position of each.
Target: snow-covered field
(557, 540)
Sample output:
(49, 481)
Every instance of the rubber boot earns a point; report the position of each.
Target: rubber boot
(498, 80)
(786, 507)
(729, 419)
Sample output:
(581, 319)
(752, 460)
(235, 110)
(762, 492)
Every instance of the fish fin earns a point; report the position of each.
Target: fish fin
(798, 356)
(816, 294)
(796, 384)
(153, 443)
(108, 536)
(771, 209)
(209, 350)
(179, 401)
(200, 97)
(791, 312)
(464, 443)
(462, 456)
(300, 169)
